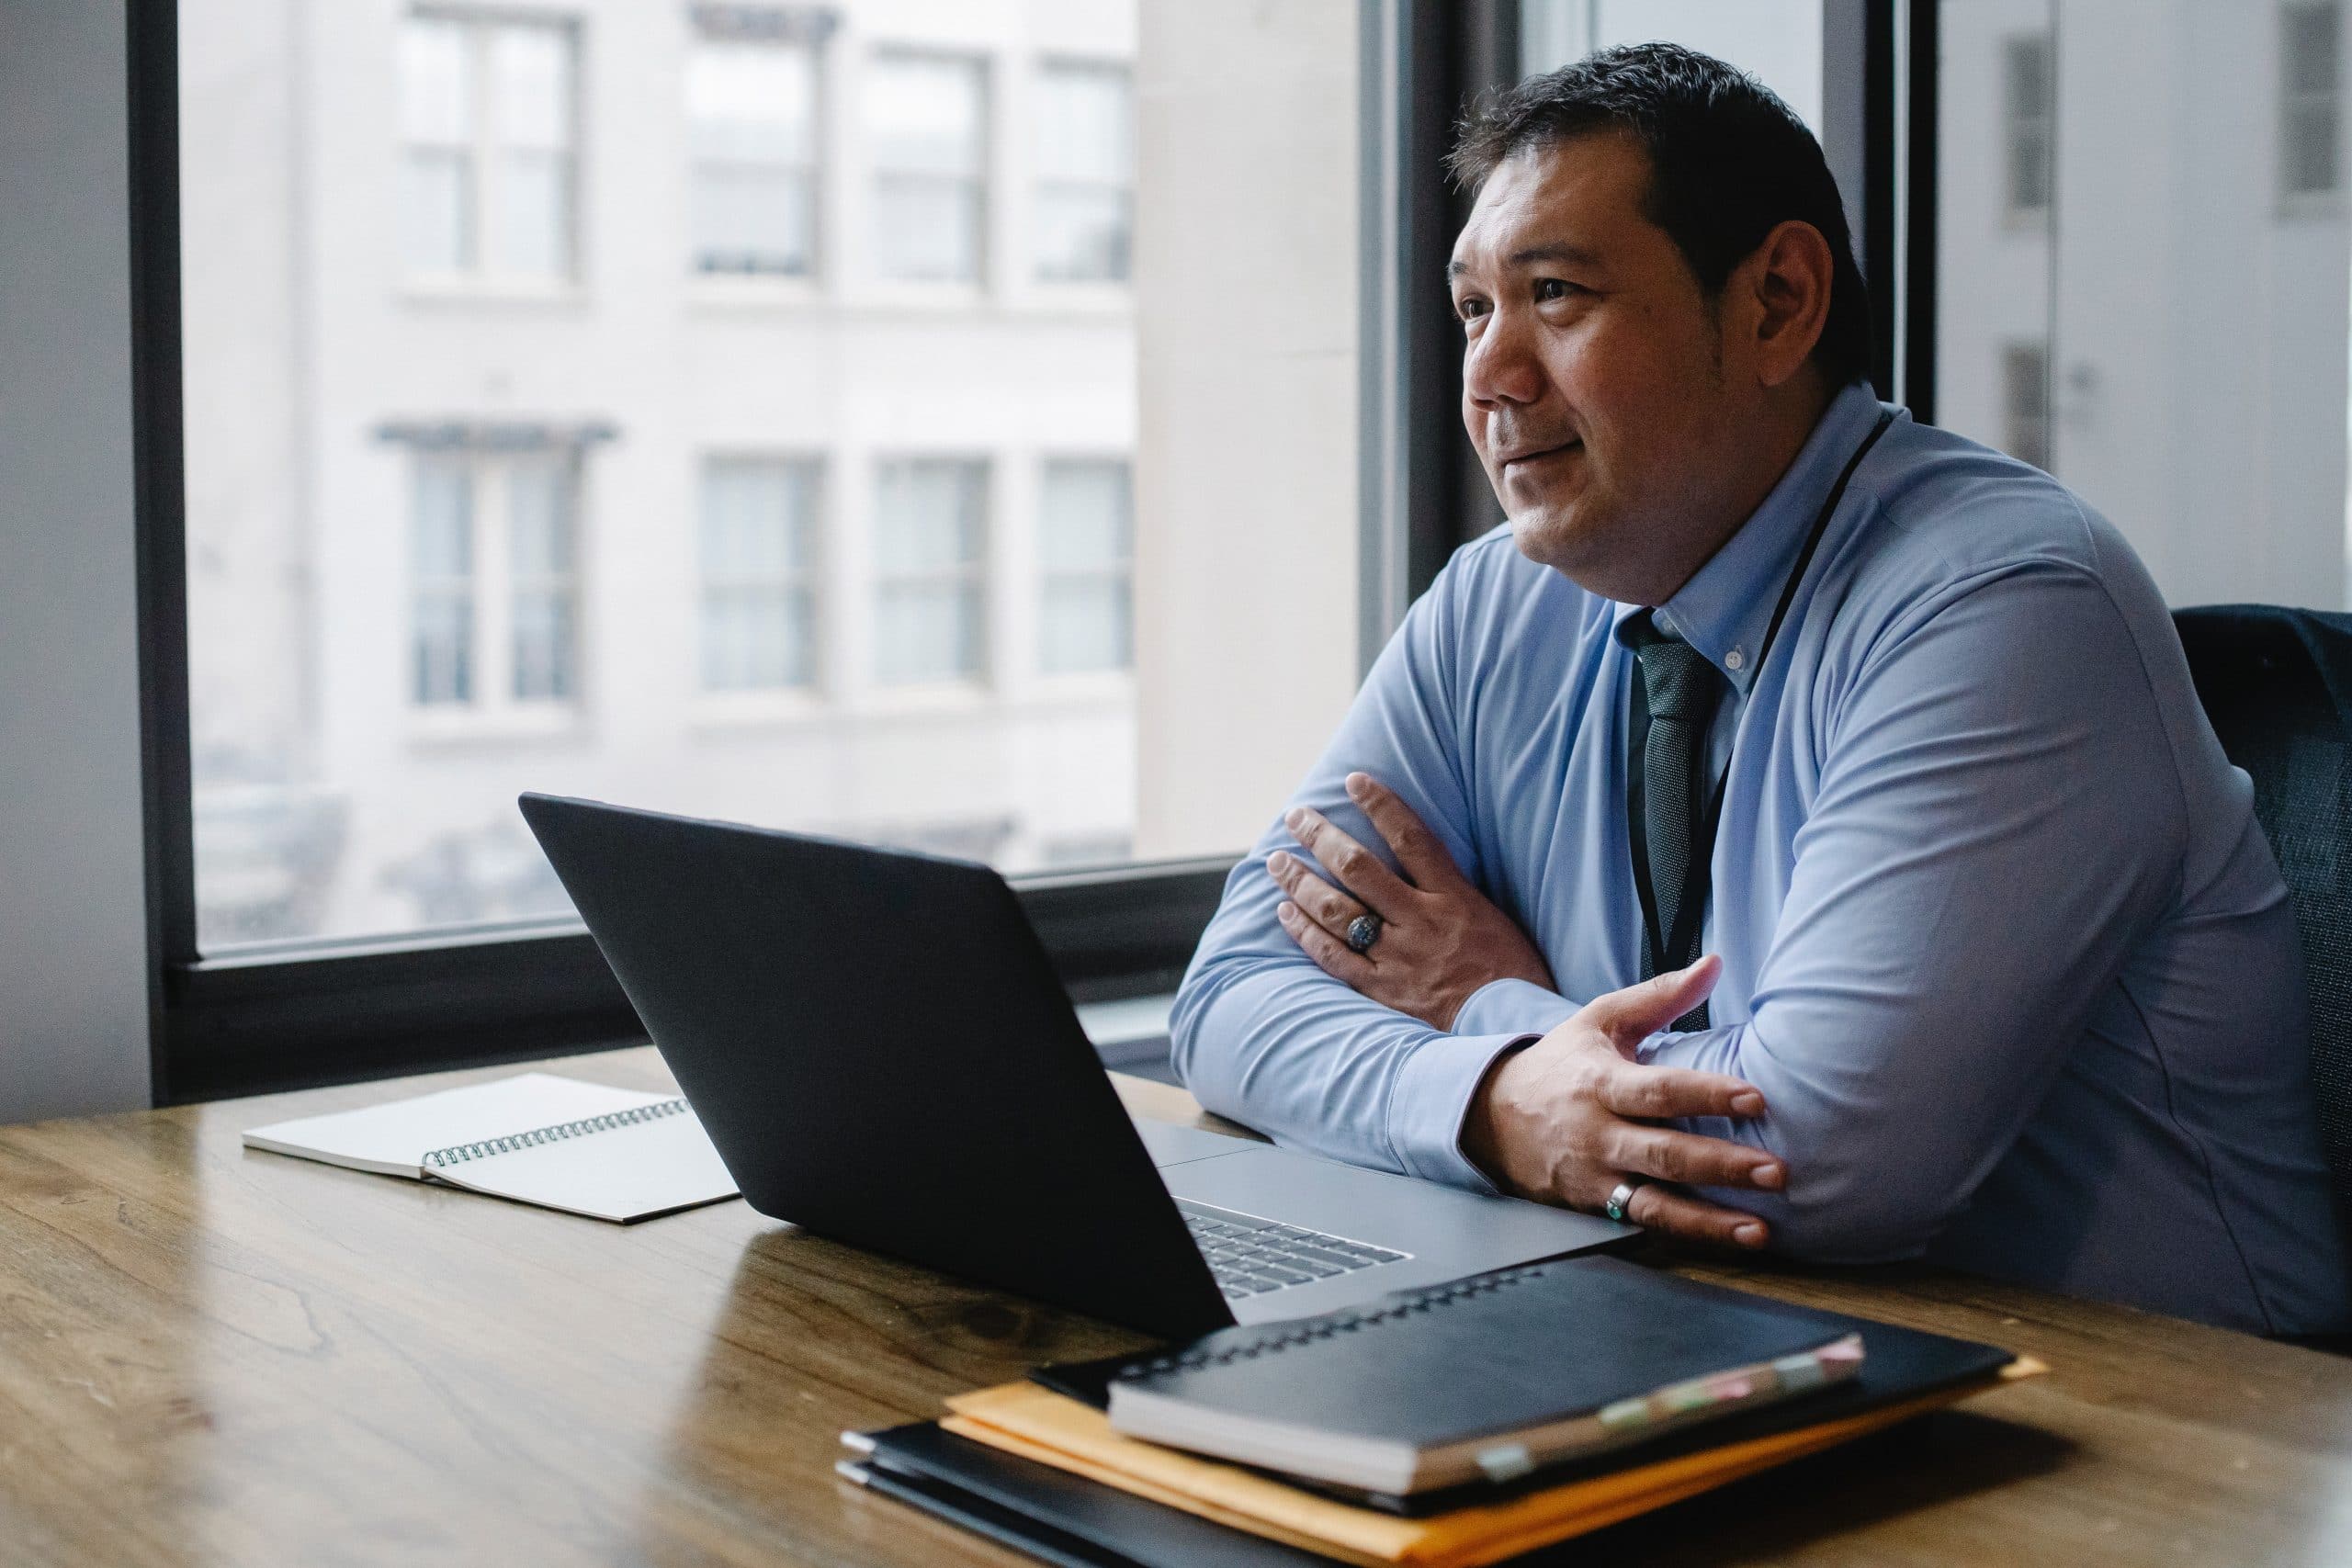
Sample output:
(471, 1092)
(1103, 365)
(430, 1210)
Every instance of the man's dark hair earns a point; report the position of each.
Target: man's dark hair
(1728, 161)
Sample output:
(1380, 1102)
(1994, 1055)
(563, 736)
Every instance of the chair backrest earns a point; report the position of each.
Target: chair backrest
(2277, 684)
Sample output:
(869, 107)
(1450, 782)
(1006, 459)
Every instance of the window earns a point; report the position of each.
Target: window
(2156, 339)
(2309, 121)
(1085, 545)
(926, 127)
(1085, 162)
(2026, 124)
(2025, 389)
(411, 597)
(487, 122)
(759, 593)
(751, 136)
(930, 576)
(494, 602)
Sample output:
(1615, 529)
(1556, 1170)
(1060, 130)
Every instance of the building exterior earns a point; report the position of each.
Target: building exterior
(726, 409)
(2145, 273)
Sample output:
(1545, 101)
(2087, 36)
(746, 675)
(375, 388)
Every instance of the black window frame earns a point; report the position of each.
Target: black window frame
(261, 1017)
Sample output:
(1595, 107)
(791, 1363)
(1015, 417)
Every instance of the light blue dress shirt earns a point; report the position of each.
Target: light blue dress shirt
(2003, 944)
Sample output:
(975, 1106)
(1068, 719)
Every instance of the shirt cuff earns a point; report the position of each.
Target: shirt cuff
(1431, 1100)
(1510, 1004)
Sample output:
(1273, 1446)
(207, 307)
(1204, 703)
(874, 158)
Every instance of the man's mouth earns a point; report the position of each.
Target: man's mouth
(1518, 460)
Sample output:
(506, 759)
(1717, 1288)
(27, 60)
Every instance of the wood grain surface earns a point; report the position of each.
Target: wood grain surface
(211, 1355)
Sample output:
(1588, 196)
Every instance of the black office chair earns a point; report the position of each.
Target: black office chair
(2277, 685)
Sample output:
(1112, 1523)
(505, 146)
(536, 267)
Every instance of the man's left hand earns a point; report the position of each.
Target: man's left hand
(1439, 938)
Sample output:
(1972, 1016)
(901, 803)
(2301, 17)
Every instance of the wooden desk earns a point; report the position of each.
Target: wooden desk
(210, 1356)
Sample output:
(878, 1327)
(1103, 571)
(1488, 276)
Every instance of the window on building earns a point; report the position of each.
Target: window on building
(2310, 117)
(1085, 554)
(2026, 123)
(751, 139)
(1085, 168)
(494, 591)
(2025, 401)
(442, 558)
(930, 545)
(926, 127)
(488, 168)
(759, 586)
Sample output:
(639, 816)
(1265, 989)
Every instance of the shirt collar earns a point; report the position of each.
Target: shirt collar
(1726, 606)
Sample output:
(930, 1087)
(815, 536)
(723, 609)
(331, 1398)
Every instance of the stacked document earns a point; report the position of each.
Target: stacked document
(585, 1148)
(1045, 1465)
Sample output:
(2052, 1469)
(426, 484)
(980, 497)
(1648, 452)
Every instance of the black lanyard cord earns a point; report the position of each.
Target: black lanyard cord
(1699, 878)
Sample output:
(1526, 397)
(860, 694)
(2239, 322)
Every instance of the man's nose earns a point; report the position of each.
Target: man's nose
(1499, 366)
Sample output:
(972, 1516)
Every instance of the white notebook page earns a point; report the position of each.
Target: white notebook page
(619, 1173)
(393, 1140)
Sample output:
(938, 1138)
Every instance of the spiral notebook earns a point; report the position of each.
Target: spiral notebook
(585, 1148)
(1490, 1378)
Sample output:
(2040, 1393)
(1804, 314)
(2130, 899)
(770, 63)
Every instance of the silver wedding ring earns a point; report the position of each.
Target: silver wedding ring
(1618, 1199)
(1363, 931)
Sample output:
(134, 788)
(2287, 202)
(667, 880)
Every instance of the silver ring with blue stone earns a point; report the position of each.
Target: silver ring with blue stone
(1363, 931)
(1621, 1198)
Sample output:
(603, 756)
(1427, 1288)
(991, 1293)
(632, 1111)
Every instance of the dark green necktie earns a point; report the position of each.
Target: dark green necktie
(1680, 689)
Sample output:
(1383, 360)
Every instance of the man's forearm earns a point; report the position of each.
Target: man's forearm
(1282, 1047)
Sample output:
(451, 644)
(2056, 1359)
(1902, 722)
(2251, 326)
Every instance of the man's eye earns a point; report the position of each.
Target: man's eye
(1550, 288)
(1466, 308)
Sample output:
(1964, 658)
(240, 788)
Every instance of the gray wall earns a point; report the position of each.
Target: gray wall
(74, 998)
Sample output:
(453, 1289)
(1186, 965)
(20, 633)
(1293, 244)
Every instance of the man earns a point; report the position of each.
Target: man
(1999, 970)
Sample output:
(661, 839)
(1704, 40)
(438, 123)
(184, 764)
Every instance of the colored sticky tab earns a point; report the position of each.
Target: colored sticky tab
(1507, 1461)
(1625, 1414)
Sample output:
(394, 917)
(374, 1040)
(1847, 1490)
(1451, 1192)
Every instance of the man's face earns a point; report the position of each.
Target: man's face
(1594, 383)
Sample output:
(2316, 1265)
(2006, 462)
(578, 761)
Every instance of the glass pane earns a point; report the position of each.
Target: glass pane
(539, 517)
(1082, 234)
(1085, 124)
(437, 210)
(1083, 516)
(443, 648)
(436, 84)
(750, 102)
(1089, 625)
(927, 631)
(543, 645)
(443, 529)
(441, 565)
(535, 214)
(2172, 342)
(927, 515)
(1778, 42)
(925, 114)
(531, 77)
(442, 553)
(753, 217)
(927, 230)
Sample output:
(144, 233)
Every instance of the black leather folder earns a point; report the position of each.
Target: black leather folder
(1057, 1517)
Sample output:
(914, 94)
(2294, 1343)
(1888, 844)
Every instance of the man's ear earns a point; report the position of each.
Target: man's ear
(1786, 281)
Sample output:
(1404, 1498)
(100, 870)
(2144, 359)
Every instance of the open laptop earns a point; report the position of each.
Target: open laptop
(882, 1055)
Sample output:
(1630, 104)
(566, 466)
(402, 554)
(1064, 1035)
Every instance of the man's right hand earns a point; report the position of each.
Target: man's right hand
(1568, 1118)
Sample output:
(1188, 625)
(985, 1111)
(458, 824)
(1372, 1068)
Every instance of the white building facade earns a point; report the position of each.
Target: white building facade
(724, 409)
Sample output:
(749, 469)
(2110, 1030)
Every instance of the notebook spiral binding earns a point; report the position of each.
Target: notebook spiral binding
(1306, 1332)
(458, 1154)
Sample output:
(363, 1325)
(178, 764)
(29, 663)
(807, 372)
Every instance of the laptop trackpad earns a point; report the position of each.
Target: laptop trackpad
(1172, 1144)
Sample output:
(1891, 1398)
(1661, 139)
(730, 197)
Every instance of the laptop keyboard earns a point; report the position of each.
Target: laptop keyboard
(1251, 1257)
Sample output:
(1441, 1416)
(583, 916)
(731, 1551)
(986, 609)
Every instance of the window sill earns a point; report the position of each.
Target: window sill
(521, 722)
(737, 291)
(561, 294)
(779, 707)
